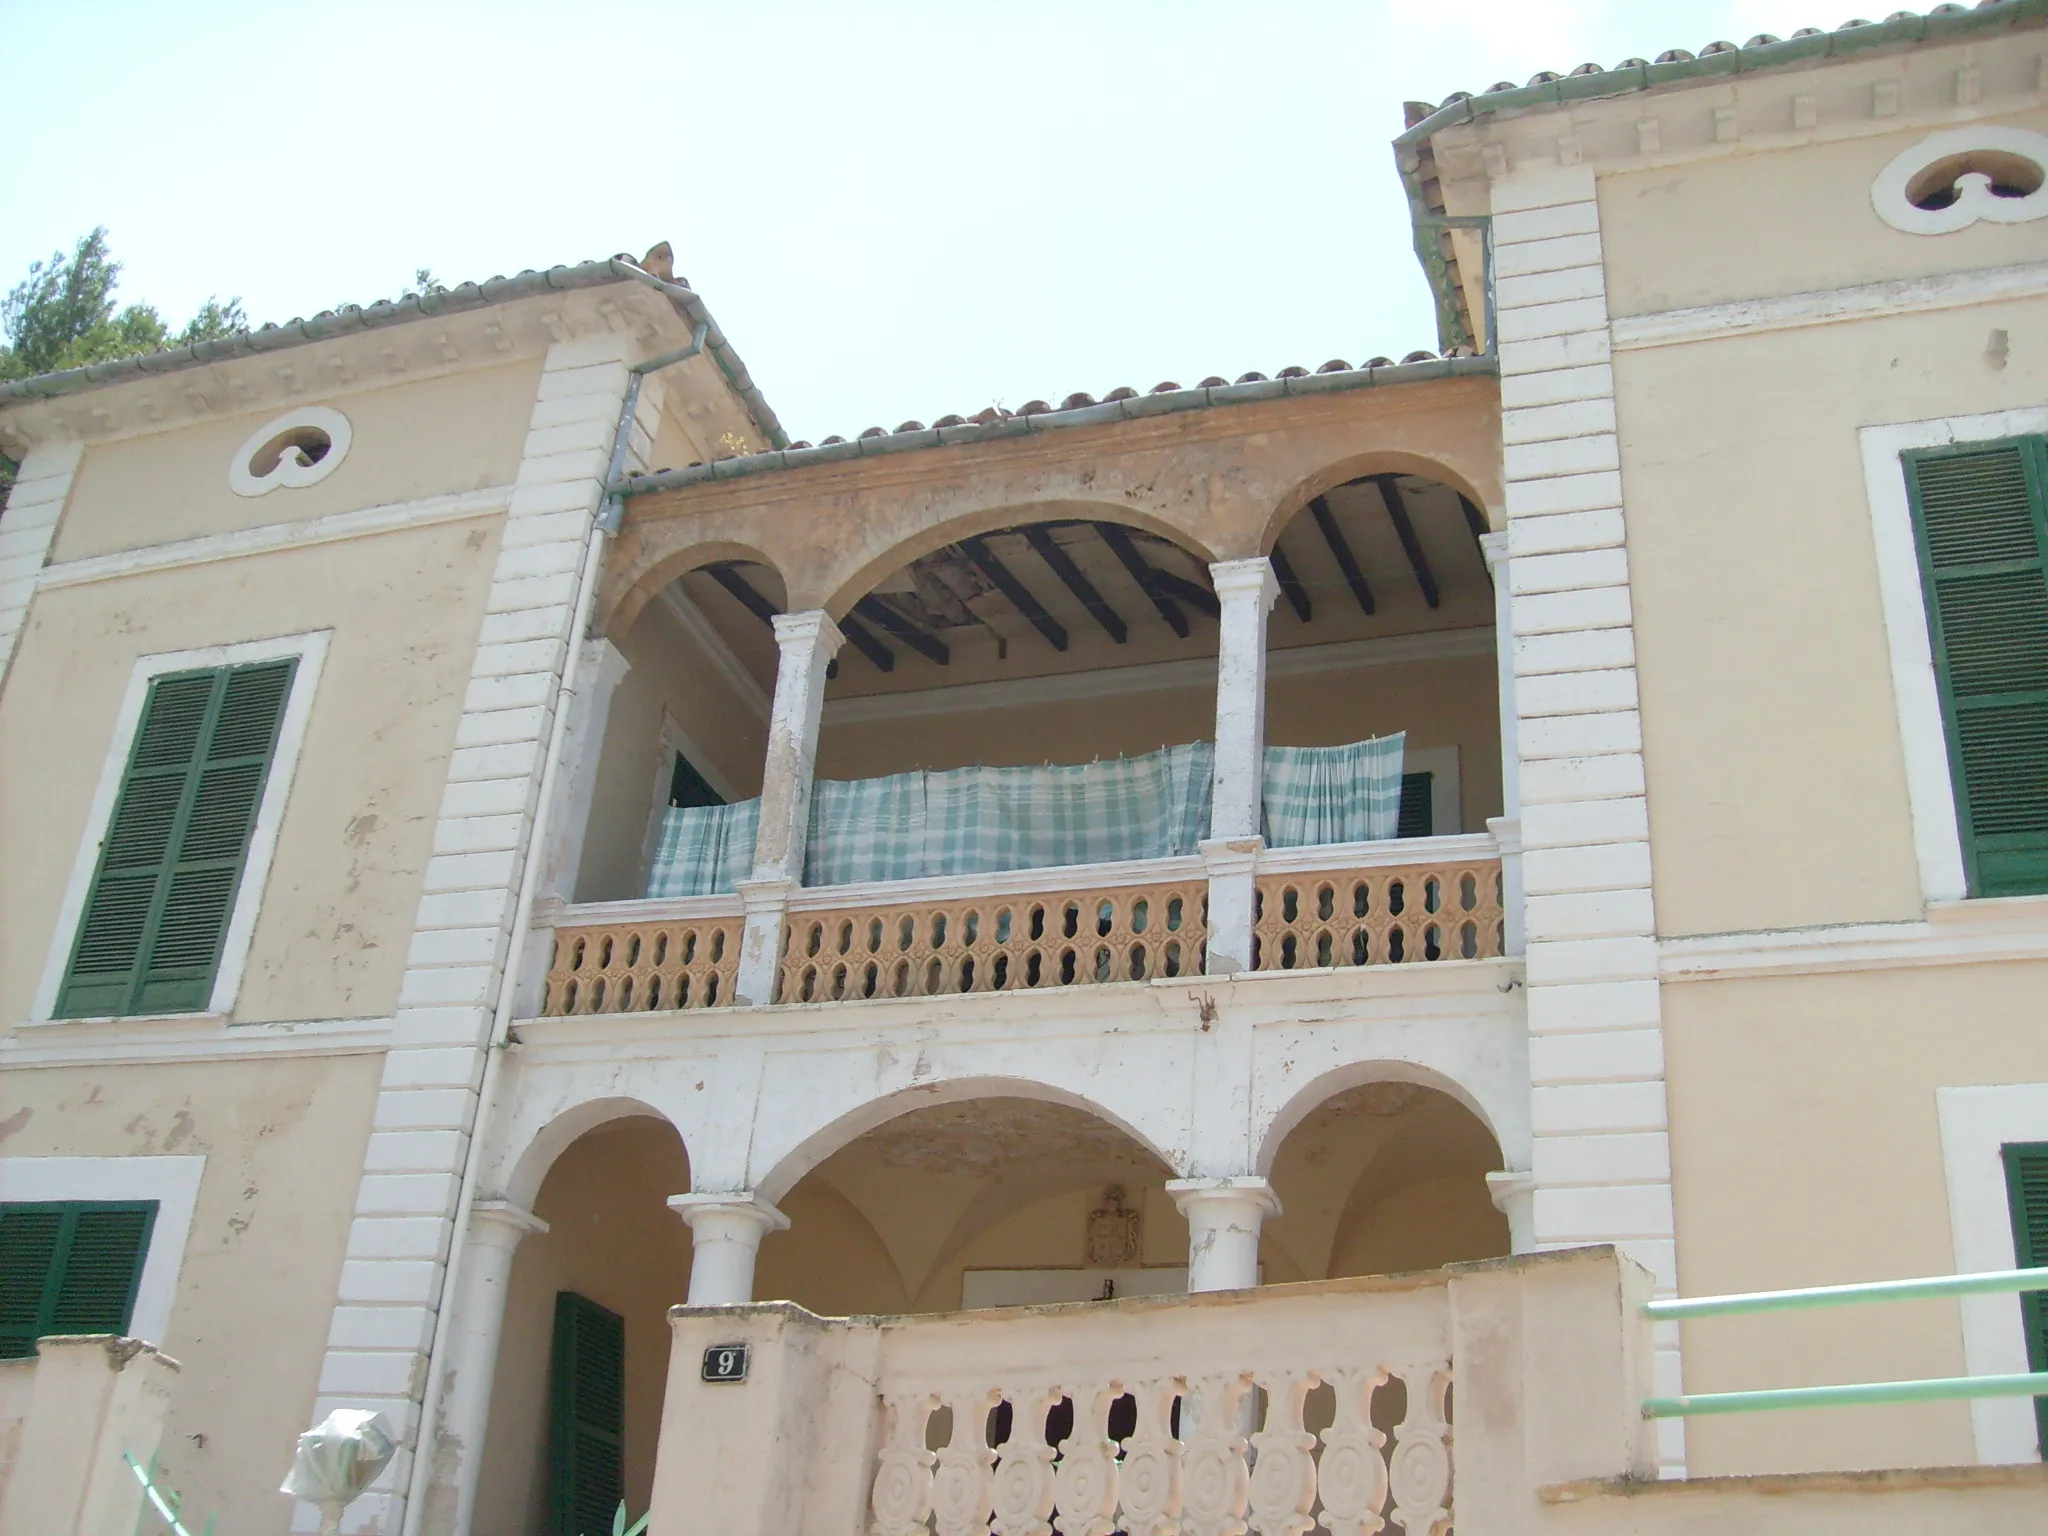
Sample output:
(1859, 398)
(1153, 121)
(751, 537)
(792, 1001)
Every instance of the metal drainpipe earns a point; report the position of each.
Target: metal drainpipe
(611, 512)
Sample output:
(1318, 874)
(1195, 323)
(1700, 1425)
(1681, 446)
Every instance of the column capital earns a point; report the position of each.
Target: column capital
(813, 626)
(1243, 1189)
(1494, 546)
(1252, 579)
(739, 1206)
(500, 1221)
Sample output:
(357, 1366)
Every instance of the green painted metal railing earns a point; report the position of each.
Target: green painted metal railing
(1932, 1389)
(165, 1501)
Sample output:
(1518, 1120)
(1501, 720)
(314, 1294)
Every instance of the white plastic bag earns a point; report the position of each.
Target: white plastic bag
(337, 1459)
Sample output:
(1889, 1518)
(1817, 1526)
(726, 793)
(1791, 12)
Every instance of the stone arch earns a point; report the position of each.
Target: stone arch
(618, 609)
(952, 527)
(800, 1152)
(1371, 462)
(1320, 1090)
(529, 1165)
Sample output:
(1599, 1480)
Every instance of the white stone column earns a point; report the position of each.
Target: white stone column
(1507, 827)
(1513, 1191)
(1245, 590)
(496, 1228)
(1224, 1217)
(808, 641)
(725, 1238)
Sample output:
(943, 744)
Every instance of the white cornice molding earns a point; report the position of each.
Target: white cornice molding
(1155, 677)
(728, 665)
(1794, 311)
(169, 1038)
(1981, 932)
(270, 537)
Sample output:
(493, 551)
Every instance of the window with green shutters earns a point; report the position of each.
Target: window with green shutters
(1416, 819)
(69, 1267)
(586, 1439)
(2026, 1187)
(1980, 520)
(157, 913)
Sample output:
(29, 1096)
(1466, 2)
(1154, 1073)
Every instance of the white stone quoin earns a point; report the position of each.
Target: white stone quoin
(1245, 590)
(807, 643)
(725, 1239)
(1224, 1218)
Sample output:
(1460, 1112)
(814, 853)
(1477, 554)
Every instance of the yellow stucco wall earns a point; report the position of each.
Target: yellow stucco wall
(283, 1142)
(461, 432)
(331, 938)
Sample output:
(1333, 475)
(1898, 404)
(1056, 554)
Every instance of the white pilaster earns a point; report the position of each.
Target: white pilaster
(496, 1229)
(1224, 1218)
(28, 527)
(725, 1239)
(1601, 1163)
(1245, 590)
(806, 644)
(426, 1106)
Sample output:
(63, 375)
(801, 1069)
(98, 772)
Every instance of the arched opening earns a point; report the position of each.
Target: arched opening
(621, 1258)
(991, 1201)
(680, 703)
(1381, 1178)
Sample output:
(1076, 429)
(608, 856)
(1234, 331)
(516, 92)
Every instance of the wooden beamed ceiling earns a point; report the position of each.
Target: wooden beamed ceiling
(1378, 540)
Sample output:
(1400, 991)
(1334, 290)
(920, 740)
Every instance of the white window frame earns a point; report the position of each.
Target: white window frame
(172, 1182)
(1975, 1124)
(311, 652)
(1923, 733)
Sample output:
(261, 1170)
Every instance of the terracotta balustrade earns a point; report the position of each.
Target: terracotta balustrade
(1380, 915)
(1004, 943)
(642, 967)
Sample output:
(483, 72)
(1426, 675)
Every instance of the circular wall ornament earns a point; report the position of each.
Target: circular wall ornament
(1950, 180)
(298, 449)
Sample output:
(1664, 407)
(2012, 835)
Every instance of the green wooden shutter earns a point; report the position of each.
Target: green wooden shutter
(69, 1267)
(2026, 1187)
(1981, 523)
(586, 1441)
(156, 918)
(1417, 817)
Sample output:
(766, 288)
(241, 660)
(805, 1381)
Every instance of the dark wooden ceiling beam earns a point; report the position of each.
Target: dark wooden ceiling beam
(884, 617)
(1347, 562)
(1062, 565)
(1120, 545)
(1404, 530)
(864, 640)
(1006, 582)
(1476, 521)
(729, 578)
(1197, 597)
(1290, 586)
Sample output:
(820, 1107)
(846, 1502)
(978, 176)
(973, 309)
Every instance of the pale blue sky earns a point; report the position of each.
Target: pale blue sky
(895, 209)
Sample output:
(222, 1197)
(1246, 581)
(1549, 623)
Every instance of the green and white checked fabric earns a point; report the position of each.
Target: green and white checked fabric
(704, 850)
(1348, 794)
(978, 821)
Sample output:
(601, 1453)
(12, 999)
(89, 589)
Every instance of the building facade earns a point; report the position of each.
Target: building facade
(501, 843)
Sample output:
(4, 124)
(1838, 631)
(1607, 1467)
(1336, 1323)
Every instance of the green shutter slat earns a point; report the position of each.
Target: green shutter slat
(586, 1439)
(2026, 1187)
(157, 915)
(1980, 529)
(69, 1267)
(1415, 817)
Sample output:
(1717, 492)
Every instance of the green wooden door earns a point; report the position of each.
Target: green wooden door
(586, 1440)
(1980, 517)
(69, 1267)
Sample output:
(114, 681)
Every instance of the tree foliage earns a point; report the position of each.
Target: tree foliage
(62, 315)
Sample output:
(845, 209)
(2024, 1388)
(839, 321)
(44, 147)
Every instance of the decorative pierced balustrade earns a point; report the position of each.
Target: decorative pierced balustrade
(1028, 930)
(680, 958)
(1447, 908)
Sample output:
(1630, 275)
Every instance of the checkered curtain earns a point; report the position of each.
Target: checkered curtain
(976, 821)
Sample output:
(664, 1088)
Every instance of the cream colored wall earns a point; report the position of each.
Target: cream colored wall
(337, 914)
(283, 1142)
(462, 432)
(1787, 221)
(611, 1239)
(1776, 778)
(669, 673)
(1452, 702)
(1806, 1151)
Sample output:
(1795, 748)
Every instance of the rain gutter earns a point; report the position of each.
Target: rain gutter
(1564, 90)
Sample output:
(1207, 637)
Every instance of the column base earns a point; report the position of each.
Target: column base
(766, 900)
(1233, 865)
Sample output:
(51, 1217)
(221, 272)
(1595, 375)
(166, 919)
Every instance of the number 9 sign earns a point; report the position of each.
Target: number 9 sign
(725, 1363)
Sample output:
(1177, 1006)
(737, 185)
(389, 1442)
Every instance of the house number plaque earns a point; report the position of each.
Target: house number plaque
(725, 1362)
